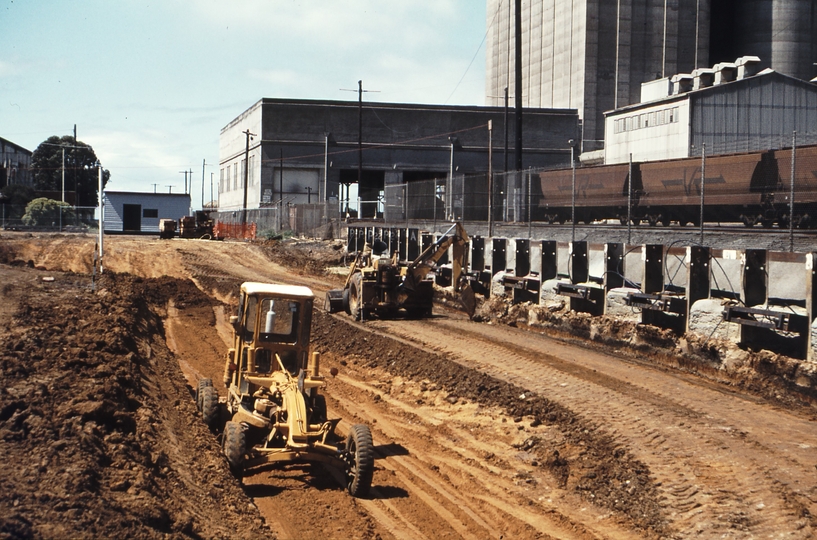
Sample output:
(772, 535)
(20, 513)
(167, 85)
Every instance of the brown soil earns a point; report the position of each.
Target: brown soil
(482, 430)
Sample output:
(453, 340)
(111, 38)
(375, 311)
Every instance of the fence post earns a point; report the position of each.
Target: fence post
(703, 186)
(630, 201)
(791, 190)
(530, 211)
(572, 194)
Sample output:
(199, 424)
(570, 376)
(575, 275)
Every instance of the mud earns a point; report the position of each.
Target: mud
(97, 421)
(614, 430)
(583, 458)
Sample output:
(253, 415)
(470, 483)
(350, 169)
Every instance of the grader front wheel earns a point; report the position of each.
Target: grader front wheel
(234, 445)
(360, 450)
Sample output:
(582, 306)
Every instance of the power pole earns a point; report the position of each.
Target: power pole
(518, 89)
(185, 180)
(202, 183)
(154, 187)
(360, 91)
(505, 151)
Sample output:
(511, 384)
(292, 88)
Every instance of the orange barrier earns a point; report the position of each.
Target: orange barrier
(241, 231)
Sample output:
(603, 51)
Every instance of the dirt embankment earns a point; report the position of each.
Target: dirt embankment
(788, 381)
(97, 423)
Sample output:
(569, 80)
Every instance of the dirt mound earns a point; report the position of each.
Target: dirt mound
(99, 424)
(584, 459)
(306, 257)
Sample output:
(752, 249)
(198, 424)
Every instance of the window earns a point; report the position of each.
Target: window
(252, 176)
(227, 179)
(150, 213)
(221, 181)
(279, 320)
(235, 176)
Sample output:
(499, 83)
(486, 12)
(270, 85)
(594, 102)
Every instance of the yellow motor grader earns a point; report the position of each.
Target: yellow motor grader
(381, 285)
(276, 413)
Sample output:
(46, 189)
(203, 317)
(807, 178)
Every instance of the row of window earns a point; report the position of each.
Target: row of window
(235, 182)
(645, 120)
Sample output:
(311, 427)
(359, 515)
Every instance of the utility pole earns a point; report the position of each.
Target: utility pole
(505, 152)
(211, 190)
(518, 89)
(154, 187)
(202, 183)
(169, 188)
(190, 191)
(246, 172)
(185, 180)
(360, 91)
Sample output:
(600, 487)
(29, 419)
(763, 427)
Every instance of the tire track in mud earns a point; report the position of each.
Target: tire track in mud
(714, 480)
(450, 475)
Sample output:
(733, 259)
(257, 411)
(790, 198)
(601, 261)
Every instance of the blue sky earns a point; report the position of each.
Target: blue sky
(150, 84)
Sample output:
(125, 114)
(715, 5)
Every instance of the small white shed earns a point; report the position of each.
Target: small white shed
(134, 212)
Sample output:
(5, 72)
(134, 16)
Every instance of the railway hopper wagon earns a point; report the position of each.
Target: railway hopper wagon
(751, 188)
(736, 188)
(601, 193)
(805, 187)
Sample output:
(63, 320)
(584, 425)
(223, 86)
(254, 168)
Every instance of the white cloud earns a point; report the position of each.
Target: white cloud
(7, 69)
(132, 156)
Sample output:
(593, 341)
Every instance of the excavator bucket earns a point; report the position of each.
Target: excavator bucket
(468, 299)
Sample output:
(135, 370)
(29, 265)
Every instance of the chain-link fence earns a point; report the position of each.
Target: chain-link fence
(463, 197)
(63, 218)
(775, 186)
(318, 220)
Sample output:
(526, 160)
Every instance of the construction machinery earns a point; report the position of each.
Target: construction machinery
(198, 225)
(381, 285)
(167, 228)
(275, 412)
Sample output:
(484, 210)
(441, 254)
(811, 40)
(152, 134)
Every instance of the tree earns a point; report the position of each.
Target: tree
(17, 197)
(44, 212)
(81, 175)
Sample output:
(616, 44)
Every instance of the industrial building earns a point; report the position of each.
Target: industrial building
(302, 151)
(729, 108)
(136, 212)
(15, 162)
(594, 56)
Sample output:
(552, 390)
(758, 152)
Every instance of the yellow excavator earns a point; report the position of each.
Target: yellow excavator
(379, 285)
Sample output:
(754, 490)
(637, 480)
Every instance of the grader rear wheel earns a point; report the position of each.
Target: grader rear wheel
(356, 296)
(209, 407)
(360, 449)
(201, 384)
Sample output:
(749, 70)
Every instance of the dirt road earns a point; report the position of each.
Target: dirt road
(488, 431)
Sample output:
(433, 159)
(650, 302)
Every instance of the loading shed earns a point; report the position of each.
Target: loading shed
(135, 212)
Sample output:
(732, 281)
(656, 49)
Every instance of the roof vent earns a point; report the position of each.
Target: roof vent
(657, 89)
(725, 72)
(703, 78)
(747, 66)
(681, 83)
